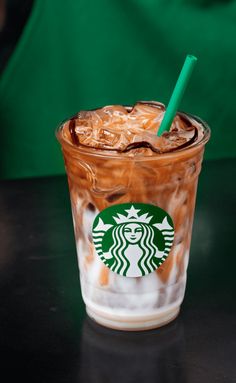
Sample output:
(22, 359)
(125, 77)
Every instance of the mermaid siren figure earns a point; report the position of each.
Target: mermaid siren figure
(133, 251)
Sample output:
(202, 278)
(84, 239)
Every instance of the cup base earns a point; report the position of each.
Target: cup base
(139, 323)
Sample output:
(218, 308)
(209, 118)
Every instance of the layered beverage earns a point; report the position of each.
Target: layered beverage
(133, 197)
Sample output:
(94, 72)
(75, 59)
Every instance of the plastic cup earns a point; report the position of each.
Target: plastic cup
(102, 182)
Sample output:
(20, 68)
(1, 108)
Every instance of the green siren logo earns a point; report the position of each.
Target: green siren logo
(133, 239)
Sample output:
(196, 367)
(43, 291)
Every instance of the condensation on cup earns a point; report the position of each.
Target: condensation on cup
(133, 198)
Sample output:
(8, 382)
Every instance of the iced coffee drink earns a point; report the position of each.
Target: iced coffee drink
(133, 197)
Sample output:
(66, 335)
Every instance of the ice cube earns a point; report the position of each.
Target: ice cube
(132, 129)
(147, 115)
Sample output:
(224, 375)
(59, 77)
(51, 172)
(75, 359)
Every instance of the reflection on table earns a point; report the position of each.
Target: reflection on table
(114, 356)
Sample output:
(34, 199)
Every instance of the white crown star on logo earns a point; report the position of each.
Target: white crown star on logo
(132, 216)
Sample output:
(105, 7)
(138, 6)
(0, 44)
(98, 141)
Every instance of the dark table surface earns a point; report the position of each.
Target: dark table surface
(45, 335)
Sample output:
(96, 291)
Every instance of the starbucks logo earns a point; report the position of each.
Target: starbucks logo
(133, 239)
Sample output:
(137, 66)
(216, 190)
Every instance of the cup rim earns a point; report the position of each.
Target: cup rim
(111, 154)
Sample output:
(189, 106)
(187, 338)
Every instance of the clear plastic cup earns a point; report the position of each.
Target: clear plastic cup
(99, 180)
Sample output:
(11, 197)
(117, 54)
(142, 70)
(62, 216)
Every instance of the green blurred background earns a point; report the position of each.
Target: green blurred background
(80, 54)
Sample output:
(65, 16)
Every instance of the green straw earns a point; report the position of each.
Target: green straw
(177, 94)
